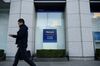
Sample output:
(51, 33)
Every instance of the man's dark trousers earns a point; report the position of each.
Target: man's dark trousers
(21, 54)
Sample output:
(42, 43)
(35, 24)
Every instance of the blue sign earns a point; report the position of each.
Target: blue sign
(49, 35)
(97, 35)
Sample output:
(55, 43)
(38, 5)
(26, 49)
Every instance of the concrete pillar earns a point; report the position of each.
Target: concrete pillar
(86, 29)
(21, 9)
(79, 29)
(73, 29)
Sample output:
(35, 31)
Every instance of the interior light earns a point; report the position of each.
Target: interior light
(55, 23)
(96, 15)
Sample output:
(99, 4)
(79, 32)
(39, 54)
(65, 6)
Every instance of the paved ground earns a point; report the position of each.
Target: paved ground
(58, 63)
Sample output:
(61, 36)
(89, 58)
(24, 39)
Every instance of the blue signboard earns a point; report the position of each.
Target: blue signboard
(97, 35)
(49, 35)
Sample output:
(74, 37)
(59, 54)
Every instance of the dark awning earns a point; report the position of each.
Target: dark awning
(4, 5)
(95, 7)
(43, 7)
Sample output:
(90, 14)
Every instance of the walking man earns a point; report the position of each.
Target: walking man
(21, 42)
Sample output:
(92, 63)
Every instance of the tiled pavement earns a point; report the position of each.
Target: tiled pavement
(56, 63)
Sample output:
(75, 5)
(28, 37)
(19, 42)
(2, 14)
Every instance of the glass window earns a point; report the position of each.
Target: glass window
(55, 20)
(96, 29)
(41, 20)
(95, 10)
(50, 21)
(3, 28)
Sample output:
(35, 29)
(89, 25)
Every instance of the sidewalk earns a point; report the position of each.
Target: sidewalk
(58, 63)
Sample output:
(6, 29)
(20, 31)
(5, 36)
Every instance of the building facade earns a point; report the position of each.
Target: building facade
(70, 21)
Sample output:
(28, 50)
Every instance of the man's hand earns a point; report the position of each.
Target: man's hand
(11, 35)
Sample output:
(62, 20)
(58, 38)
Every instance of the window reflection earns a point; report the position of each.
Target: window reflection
(96, 15)
(41, 20)
(96, 21)
(49, 19)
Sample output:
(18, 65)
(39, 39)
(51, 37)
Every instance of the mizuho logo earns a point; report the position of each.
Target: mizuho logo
(49, 31)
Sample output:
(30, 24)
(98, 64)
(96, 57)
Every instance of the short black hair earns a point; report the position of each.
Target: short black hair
(21, 21)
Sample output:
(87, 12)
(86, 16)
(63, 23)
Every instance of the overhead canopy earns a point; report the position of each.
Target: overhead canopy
(95, 5)
(4, 5)
(43, 7)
